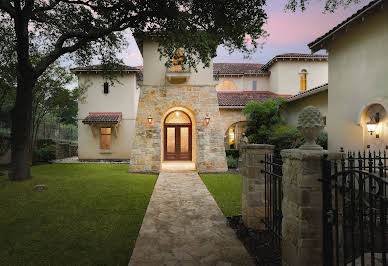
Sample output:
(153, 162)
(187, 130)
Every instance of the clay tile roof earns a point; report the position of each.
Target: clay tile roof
(112, 118)
(237, 68)
(309, 92)
(294, 56)
(320, 42)
(105, 67)
(242, 98)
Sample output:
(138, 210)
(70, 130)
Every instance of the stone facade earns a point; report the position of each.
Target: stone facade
(253, 192)
(302, 207)
(231, 116)
(196, 101)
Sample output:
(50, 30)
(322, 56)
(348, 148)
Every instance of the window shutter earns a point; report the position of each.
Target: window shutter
(106, 87)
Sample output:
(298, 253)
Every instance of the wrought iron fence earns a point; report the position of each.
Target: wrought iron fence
(354, 207)
(273, 197)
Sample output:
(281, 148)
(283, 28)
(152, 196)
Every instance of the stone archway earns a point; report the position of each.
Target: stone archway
(175, 124)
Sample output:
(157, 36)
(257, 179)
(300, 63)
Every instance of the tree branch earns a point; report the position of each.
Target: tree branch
(6, 6)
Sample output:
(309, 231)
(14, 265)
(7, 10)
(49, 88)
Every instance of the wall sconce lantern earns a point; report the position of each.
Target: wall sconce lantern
(372, 124)
(207, 119)
(149, 119)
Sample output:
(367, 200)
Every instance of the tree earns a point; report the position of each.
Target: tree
(86, 28)
(330, 5)
(265, 125)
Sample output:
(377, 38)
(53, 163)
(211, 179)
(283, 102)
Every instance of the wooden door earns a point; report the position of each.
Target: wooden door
(177, 142)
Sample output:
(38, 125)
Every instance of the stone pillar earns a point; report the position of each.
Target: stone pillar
(253, 192)
(302, 207)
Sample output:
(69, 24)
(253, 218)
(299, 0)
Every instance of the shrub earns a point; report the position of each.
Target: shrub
(322, 140)
(5, 143)
(232, 152)
(232, 162)
(45, 153)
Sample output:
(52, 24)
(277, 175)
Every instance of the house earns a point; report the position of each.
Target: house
(358, 81)
(158, 116)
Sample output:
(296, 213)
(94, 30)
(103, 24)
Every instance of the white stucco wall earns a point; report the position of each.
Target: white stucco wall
(291, 110)
(154, 69)
(285, 78)
(244, 83)
(123, 97)
(358, 68)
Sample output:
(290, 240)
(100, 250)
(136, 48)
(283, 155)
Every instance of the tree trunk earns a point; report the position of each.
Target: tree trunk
(21, 113)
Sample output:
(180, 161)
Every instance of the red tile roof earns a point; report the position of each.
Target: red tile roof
(106, 117)
(242, 98)
(237, 68)
(105, 67)
(320, 42)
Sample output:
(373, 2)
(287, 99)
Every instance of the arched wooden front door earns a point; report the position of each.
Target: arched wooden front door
(177, 136)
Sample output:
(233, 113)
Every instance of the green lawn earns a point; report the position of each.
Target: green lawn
(226, 190)
(90, 215)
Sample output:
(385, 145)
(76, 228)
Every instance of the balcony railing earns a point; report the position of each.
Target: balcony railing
(178, 73)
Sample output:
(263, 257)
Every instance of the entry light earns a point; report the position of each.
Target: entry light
(372, 124)
(207, 119)
(149, 119)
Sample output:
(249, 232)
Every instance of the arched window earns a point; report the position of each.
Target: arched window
(177, 61)
(303, 79)
(226, 85)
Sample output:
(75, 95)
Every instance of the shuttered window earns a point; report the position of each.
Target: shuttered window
(105, 138)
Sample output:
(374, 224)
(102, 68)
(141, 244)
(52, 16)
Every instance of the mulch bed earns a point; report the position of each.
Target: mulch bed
(259, 244)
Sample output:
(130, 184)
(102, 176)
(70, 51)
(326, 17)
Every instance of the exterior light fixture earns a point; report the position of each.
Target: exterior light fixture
(372, 124)
(149, 119)
(207, 119)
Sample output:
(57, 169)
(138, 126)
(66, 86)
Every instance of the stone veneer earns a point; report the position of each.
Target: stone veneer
(209, 150)
(253, 192)
(231, 116)
(302, 207)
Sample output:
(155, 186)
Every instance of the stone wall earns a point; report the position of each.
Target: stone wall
(230, 116)
(253, 192)
(302, 207)
(208, 141)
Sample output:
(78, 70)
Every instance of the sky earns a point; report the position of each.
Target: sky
(288, 32)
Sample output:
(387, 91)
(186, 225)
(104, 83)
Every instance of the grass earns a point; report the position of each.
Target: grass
(226, 190)
(89, 215)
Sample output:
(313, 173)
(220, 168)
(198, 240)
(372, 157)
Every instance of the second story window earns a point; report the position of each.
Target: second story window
(303, 79)
(226, 85)
(254, 85)
(106, 88)
(177, 61)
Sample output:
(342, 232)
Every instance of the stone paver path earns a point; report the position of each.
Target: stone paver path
(184, 226)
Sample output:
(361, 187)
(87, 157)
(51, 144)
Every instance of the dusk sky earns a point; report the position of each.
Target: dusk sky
(289, 32)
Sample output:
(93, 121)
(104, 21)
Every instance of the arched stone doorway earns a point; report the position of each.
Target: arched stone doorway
(233, 135)
(177, 136)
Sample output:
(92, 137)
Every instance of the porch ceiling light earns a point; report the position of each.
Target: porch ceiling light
(207, 119)
(372, 124)
(149, 119)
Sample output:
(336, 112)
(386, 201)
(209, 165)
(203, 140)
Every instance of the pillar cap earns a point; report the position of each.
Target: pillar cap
(303, 154)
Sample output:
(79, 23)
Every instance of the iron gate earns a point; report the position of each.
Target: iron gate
(354, 206)
(273, 198)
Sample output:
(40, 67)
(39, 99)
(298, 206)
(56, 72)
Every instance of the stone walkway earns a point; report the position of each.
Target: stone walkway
(184, 226)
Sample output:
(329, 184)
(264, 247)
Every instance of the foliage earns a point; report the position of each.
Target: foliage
(232, 152)
(330, 5)
(322, 140)
(232, 162)
(90, 214)
(45, 153)
(226, 189)
(265, 125)
(5, 143)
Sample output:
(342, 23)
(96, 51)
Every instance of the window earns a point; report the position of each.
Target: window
(254, 85)
(303, 79)
(105, 138)
(106, 88)
(226, 85)
(177, 61)
(324, 120)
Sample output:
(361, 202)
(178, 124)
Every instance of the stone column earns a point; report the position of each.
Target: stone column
(302, 207)
(253, 192)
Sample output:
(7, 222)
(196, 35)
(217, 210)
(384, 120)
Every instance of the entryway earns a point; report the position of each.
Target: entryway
(177, 137)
